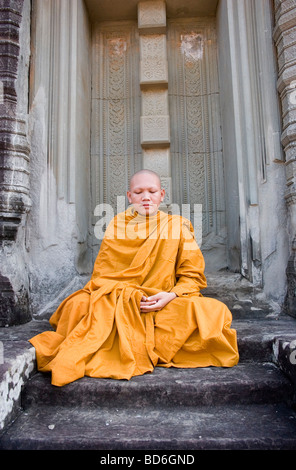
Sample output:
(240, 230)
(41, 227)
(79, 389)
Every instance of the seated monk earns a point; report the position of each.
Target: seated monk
(142, 307)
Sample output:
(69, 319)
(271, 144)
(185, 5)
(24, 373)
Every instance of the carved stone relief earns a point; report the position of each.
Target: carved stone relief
(284, 36)
(157, 160)
(155, 130)
(15, 199)
(155, 119)
(196, 144)
(152, 15)
(116, 151)
(154, 102)
(183, 89)
(153, 59)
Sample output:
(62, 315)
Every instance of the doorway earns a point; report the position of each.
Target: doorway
(195, 156)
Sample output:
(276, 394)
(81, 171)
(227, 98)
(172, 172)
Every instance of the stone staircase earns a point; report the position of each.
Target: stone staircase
(250, 406)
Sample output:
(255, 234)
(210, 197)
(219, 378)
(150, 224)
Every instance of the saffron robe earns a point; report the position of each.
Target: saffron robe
(99, 330)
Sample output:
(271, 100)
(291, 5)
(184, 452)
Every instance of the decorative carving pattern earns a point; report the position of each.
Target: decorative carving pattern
(116, 108)
(195, 136)
(155, 121)
(154, 102)
(194, 104)
(153, 59)
(166, 184)
(14, 174)
(157, 160)
(152, 13)
(14, 167)
(153, 45)
(284, 35)
(155, 129)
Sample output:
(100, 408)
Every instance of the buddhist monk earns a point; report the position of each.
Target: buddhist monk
(143, 307)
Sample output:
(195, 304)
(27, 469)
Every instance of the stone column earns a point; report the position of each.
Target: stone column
(155, 121)
(285, 36)
(14, 165)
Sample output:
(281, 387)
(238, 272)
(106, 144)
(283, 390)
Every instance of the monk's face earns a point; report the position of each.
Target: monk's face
(145, 193)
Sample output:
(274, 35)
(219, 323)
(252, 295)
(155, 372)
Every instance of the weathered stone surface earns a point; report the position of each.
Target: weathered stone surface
(18, 365)
(15, 200)
(57, 249)
(268, 427)
(14, 308)
(245, 407)
(284, 36)
(153, 63)
(290, 301)
(152, 16)
(248, 383)
(285, 357)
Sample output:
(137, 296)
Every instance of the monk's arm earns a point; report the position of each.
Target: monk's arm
(190, 265)
(190, 276)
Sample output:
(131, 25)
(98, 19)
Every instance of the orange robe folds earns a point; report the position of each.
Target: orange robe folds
(99, 330)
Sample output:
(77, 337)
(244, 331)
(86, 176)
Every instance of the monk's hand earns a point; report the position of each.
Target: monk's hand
(156, 302)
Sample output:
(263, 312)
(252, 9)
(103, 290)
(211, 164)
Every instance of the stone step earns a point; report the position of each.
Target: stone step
(258, 337)
(260, 340)
(242, 384)
(239, 294)
(227, 427)
(244, 407)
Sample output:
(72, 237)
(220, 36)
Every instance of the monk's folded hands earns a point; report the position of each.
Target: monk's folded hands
(156, 302)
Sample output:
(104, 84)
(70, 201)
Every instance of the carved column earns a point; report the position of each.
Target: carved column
(155, 121)
(14, 165)
(285, 36)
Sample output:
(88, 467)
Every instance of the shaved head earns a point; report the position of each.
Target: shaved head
(145, 192)
(143, 172)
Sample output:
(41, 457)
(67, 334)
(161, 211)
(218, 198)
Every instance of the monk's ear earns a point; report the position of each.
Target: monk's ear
(162, 192)
(128, 193)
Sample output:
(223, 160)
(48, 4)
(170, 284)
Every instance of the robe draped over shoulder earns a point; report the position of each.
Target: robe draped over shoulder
(99, 330)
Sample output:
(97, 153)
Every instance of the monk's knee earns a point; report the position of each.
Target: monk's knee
(72, 312)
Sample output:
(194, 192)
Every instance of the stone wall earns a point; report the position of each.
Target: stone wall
(285, 39)
(59, 125)
(155, 104)
(15, 200)
(253, 156)
(45, 143)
